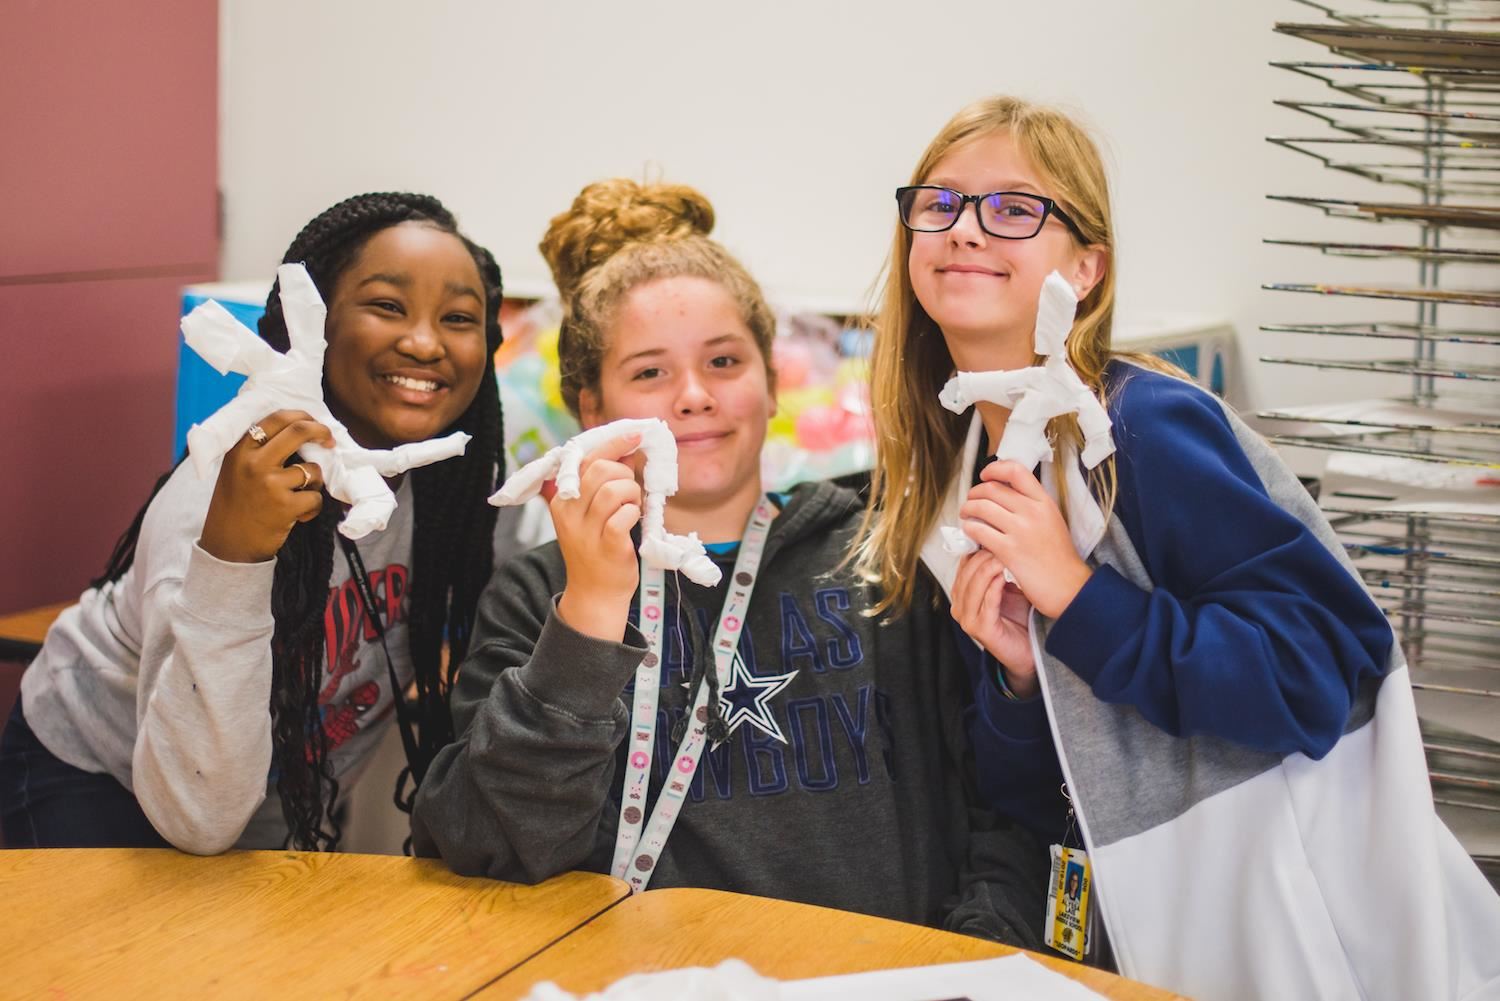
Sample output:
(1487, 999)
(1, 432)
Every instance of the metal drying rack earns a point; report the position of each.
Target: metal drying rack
(1410, 99)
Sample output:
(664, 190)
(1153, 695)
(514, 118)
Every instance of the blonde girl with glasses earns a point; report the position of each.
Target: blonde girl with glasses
(1175, 666)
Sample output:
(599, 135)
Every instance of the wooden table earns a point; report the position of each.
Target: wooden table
(120, 923)
(21, 633)
(665, 929)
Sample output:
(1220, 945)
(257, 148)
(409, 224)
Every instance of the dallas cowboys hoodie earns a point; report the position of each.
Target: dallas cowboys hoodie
(848, 787)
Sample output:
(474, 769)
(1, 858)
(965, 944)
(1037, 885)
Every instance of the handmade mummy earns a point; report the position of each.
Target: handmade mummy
(659, 548)
(1034, 395)
(294, 381)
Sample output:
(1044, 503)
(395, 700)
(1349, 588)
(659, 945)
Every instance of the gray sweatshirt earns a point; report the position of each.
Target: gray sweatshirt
(864, 807)
(163, 678)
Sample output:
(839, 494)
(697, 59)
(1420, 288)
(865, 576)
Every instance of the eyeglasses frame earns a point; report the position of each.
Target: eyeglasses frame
(1049, 208)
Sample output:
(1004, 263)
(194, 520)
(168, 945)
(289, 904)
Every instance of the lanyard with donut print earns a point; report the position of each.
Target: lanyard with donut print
(636, 852)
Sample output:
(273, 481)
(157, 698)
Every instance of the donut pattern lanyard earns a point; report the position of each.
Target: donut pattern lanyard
(636, 852)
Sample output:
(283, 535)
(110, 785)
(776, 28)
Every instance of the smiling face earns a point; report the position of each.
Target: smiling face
(679, 349)
(982, 291)
(406, 343)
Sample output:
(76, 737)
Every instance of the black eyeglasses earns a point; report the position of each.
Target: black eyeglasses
(1009, 215)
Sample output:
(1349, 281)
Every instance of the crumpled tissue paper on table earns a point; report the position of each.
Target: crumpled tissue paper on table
(1016, 977)
(731, 980)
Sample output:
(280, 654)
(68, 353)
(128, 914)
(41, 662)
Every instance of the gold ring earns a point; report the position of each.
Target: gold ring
(257, 434)
(306, 477)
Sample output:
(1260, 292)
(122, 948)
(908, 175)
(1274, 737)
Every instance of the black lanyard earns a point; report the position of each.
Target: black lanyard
(403, 712)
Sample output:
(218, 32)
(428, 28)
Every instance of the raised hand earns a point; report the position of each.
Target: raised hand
(1009, 514)
(258, 497)
(995, 614)
(593, 532)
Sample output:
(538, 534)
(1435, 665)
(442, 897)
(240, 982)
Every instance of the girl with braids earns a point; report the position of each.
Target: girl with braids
(1186, 676)
(228, 639)
(831, 766)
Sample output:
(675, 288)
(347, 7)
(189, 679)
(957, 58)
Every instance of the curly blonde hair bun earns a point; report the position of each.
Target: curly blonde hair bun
(608, 216)
(619, 235)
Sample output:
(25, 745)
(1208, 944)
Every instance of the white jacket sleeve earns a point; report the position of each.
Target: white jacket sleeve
(203, 739)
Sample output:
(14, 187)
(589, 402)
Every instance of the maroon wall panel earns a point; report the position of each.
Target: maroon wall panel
(88, 430)
(109, 120)
(109, 126)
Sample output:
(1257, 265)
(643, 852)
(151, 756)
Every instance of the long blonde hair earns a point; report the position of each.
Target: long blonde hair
(917, 442)
(618, 235)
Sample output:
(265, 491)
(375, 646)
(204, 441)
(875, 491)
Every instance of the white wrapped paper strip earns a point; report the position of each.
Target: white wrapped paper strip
(659, 548)
(1036, 395)
(294, 381)
(731, 980)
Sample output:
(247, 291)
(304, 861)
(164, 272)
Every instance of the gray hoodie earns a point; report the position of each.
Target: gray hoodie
(864, 807)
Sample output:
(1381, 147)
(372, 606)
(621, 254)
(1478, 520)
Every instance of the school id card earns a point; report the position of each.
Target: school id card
(1068, 890)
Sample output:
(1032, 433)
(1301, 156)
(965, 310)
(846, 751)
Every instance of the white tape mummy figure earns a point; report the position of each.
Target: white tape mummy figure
(294, 381)
(1034, 395)
(659, 548)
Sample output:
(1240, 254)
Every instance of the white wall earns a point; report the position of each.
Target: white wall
(797, 119)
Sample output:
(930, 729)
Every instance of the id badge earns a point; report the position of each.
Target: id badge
(1068, 890)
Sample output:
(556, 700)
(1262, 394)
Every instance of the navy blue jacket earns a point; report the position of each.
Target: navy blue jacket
(1253, 631)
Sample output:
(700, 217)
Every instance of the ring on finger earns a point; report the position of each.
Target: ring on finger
(306, 476)
(257, 434)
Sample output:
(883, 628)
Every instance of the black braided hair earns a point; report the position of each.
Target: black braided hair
(452, 547)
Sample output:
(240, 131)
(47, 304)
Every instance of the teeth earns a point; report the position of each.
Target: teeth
(424, 385)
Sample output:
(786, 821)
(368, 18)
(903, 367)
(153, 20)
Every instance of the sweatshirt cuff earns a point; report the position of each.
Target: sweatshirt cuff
(1016, 721)
(580, 674)
(237, 595)
(1101, 620)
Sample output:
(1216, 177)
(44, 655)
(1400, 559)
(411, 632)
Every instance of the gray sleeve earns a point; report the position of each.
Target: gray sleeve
(203, 727)
(1002, 886)
(519, 795)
